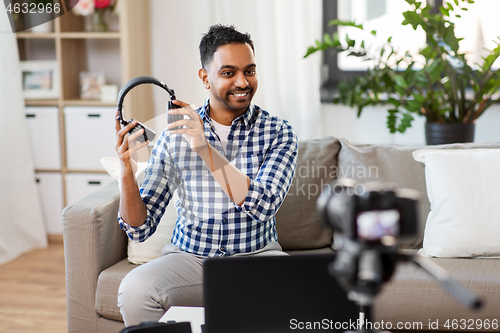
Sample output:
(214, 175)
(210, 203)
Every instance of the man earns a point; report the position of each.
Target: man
(232, 164)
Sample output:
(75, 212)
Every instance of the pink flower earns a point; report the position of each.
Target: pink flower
(84, 7)
(102, 4)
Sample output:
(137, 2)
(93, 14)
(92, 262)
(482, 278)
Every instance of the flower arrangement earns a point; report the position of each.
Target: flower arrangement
(96, 8)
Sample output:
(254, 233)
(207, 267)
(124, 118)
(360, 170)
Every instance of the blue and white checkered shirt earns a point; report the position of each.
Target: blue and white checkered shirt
(262, 146)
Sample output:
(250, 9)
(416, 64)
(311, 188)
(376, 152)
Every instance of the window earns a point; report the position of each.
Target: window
(478, 26)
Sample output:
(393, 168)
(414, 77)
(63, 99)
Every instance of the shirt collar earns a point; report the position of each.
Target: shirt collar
(204, 113)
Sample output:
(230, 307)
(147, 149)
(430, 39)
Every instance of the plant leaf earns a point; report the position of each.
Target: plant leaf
(310, 51)
(444, 11)
(327, 40)
(350, 42)
(400, 81)
(345, 24)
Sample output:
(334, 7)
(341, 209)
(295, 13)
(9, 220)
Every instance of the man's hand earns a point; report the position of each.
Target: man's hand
(193, 130)
(132, 208)
(232, 181)
(127, 146)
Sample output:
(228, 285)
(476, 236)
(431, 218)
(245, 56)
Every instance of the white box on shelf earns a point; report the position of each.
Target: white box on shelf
(43, 127)
(79, 185)
(90, 136)
(50, 188)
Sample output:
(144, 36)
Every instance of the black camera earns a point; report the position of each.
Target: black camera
(368, 219)
(369, 212)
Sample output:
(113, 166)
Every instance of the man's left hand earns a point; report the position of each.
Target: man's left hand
(192, 127)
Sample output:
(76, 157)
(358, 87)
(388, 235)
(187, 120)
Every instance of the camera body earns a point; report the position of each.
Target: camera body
(368, 220)
(370, 212)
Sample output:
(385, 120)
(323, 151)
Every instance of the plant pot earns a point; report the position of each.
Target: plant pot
(437, 133)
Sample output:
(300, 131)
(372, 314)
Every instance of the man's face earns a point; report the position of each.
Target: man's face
(231, 78)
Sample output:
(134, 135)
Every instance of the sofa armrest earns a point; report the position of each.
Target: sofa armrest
(93, 242)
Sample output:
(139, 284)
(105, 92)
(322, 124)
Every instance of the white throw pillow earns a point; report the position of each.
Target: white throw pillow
(140, 253)
(463, 189)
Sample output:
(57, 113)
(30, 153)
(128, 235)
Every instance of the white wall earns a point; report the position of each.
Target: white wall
(341, 121)
(175, 60)
(175, 55)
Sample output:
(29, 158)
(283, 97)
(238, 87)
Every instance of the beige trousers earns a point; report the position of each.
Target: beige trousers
(176, 278)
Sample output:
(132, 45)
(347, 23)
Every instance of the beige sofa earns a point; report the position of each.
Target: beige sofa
(96, 249)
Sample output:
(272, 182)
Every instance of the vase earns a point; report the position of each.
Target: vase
(437, 133)
(99, 23)
(41, 22)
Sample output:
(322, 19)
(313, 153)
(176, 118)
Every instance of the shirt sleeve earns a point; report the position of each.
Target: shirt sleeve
(160, 182)
(268, 190)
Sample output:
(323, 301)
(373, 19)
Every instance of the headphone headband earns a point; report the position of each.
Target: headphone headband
(135, 82)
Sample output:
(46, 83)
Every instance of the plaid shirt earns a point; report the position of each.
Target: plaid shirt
(209, 224)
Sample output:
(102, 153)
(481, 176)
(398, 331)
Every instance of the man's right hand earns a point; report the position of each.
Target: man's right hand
(132, 208)
(127, 146)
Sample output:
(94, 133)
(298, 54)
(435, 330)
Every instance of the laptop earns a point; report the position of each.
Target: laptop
(274, 294)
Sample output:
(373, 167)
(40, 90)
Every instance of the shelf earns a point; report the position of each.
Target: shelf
(90, 35)
(121, 54)
(87, 171)
(81, 102)
(48, 170)
(43, 102)
(30, 35)
(69, 35)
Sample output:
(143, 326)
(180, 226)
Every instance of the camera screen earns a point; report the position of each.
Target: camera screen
(376, 224)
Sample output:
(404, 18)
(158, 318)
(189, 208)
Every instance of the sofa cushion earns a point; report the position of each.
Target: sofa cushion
(106, 299)
(150, 249)
(464, 216)
(323, 250)
(393, 163)
(412, 296)
(298, 224)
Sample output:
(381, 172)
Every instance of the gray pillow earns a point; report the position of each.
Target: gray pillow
(297, 221)
(393, 163)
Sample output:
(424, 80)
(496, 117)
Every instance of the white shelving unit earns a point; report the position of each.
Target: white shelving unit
(69, 135)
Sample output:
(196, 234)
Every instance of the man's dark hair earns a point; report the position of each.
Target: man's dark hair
(219, 35)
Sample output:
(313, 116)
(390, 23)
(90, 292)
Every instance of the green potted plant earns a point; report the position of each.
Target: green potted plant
(437, 83)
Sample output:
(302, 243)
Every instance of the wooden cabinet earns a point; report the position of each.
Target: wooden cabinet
(121, 54)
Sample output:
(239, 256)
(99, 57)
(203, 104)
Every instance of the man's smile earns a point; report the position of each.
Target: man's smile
(240, 95)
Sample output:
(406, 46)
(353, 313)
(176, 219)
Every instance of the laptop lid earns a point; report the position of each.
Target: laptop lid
(275, 294)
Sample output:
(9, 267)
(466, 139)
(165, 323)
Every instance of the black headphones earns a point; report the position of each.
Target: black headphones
(149, 134)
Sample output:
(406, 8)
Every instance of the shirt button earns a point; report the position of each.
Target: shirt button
(224, 220)
(223, 248)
